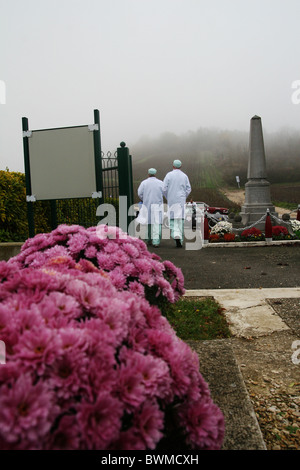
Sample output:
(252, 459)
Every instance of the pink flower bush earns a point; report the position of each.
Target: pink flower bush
(90, 366)
(126, 259)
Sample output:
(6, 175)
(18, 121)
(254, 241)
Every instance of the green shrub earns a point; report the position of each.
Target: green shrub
(13, 209)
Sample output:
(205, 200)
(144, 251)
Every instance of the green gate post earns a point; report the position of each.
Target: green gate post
(97, 150)
(131, 215)
(30, 210)
(125, 186)
(53, 214)
(131, 181)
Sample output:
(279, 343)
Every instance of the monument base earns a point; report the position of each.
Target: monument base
(253, 213)
(257, 201)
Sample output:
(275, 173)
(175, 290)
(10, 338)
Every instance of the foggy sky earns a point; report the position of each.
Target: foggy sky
(149, 66)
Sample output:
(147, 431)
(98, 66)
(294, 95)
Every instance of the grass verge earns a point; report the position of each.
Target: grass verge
(198, 318)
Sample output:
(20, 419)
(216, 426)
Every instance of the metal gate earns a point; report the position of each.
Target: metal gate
(110, 176)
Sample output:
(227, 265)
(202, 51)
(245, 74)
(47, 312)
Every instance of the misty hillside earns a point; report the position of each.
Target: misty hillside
(212, 158)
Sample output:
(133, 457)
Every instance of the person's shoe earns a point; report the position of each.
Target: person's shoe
(178, 243)
(155, 246)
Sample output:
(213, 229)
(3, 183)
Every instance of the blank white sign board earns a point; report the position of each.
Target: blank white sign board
(62, 163)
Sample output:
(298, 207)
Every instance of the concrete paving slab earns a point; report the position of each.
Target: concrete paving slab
(247, 310)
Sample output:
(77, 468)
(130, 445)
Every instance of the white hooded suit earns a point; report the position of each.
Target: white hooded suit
(176, 188)
(150, 193)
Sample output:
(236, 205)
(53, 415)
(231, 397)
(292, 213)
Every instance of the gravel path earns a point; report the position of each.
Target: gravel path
(238, 196)
(278, 410)
(273, 384)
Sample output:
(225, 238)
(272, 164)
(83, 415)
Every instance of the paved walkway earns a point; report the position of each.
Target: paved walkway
(243, 267)
(250, 316)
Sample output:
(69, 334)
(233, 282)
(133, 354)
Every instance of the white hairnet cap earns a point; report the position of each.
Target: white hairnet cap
(152, 171)
(177, 163)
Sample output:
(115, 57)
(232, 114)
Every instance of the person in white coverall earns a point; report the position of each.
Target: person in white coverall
(150, 192)
(176, 188)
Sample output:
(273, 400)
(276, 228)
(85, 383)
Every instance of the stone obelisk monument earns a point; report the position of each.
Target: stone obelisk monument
(257, 189)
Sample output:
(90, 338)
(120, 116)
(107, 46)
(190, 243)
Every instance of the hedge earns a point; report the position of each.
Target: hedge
(13, 209)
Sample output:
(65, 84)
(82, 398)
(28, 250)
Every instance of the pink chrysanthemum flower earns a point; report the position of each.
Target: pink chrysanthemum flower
(102, 366)
(131, 389)
(138, 339)
(100, 422)
(118, 324)
(69, 372)
(150, 423)
(86, 295)
(105, 261)
(36, 348)
(131, 439)
(91, 251)
(27, 412)
(118, 278)
(27, 318)
(136, 288)
(77, 242)
(58, 308)
(108, 248)
(5, 270)
(66, 436)
(131, 250)
(204, 424)
(130, 270)
(153, 372)
(165, 289)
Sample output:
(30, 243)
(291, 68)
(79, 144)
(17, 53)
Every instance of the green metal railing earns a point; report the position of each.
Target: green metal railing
(110, 176)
